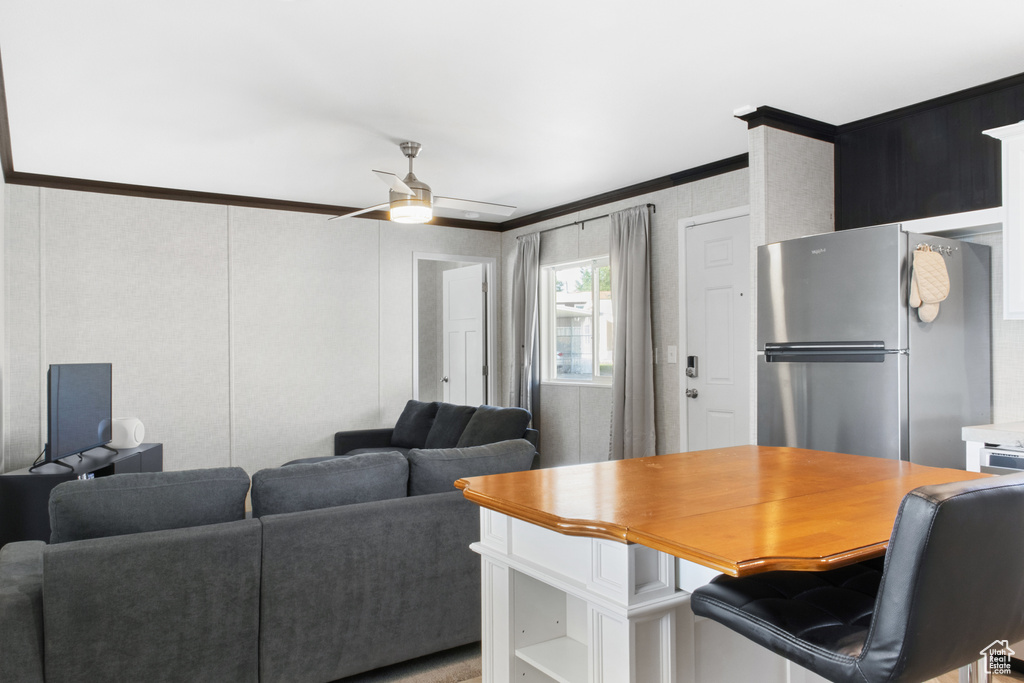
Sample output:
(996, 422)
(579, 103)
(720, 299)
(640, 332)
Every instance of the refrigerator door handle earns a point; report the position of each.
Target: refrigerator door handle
(826, 352)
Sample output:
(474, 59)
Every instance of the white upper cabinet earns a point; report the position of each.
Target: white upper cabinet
(1012, 138)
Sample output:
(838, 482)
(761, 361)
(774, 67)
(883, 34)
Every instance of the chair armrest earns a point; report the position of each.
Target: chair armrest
(21, 611)
(362, 438)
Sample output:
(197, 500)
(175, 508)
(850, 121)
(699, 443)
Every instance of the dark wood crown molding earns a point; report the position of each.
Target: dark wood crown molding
(791, 123)
(735, 163)
(127, 190)
(934, 103)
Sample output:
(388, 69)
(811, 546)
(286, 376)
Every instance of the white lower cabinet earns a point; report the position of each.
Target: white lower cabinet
(549, 631)
(570, 609)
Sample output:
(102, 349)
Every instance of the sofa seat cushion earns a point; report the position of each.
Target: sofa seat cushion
(329, 483)
(390, 449)
(150, 501)
(435, 471)
(414, 424)
(449, 423)
(491, 424)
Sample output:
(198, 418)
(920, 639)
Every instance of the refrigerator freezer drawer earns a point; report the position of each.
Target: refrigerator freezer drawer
(842, 407)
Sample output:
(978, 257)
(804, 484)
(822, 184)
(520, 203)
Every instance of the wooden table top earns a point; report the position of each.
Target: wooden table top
(739, 510)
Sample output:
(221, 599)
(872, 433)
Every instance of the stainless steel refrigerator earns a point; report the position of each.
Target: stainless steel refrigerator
(845, 365)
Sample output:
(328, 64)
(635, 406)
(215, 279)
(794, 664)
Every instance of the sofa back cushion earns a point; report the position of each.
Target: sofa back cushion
(339, 481)
(151, 501)
(491, 424)
(449, 423)
(414, 424)
(435, 471)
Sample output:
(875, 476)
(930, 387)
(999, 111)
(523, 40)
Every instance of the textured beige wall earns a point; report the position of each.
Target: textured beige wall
(575, 421)
(238, 336)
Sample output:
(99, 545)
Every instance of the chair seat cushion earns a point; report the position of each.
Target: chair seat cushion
(829, 610)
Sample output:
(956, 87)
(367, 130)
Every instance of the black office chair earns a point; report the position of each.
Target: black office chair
(952, 584)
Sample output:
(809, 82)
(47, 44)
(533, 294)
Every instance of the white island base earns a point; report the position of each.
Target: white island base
(575, 609)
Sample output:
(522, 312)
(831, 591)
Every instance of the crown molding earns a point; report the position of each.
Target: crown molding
(935, 103)
(791, 123)
(146, 191)
(735, 163)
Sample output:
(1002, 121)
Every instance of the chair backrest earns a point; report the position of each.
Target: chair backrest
(953, 582)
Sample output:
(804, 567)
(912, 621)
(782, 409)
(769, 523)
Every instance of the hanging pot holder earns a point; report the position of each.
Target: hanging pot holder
(929, 283)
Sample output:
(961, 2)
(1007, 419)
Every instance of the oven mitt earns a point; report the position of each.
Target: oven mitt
(929, 283)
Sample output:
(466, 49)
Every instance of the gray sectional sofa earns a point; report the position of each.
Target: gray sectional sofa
(440, 425)
(347, 565)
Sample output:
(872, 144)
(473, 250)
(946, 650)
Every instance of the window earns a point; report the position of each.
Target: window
(577, 328)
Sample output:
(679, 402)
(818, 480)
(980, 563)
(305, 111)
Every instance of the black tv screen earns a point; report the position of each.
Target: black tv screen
(79, 408)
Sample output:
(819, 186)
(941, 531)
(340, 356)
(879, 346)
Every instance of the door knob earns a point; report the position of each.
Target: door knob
(691, 393)
(445, 378)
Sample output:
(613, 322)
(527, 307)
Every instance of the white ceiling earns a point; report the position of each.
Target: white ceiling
(531, 103)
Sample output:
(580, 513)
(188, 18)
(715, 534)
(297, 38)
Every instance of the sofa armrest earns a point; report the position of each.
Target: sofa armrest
(21, 612)
(362, 438)
(182, 603)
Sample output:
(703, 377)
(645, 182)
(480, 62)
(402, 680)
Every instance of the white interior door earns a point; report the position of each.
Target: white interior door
(464, 335)
(718, 304)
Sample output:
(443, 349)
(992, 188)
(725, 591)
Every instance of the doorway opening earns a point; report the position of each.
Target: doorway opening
(453, 315)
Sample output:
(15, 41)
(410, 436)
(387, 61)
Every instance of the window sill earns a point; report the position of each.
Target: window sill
(572, 383)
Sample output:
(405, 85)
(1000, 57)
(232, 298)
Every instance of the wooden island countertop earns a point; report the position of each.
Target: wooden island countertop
(739, 510)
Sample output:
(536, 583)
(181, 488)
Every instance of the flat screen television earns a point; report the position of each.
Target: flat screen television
(78, 409)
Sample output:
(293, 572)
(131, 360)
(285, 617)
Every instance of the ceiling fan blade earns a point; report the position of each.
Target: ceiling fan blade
(360, 212)
(394, 182)
(470, 205)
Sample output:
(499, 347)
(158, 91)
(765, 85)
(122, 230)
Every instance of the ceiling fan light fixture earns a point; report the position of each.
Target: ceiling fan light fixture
(411, 211)
(411, 208)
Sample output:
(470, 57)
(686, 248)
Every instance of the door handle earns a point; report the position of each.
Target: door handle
(445, 378)
(691, 393)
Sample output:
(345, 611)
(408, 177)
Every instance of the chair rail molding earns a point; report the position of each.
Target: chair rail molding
(1012, 138)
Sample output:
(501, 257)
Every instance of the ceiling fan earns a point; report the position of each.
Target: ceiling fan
(410, 199)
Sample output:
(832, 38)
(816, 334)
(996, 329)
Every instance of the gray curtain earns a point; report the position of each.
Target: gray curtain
(525, 322)
(632, 433)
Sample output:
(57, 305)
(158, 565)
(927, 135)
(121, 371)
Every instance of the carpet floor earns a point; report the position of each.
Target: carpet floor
(458, 665)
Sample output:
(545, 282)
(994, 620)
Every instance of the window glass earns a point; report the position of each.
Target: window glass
(579, 330)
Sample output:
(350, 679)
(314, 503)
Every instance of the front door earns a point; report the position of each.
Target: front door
(718, 345)
(464, 334)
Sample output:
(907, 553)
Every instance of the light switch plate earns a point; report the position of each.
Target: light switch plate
(673, 354)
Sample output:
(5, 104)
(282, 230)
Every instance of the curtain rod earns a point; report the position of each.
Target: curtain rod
(588, 220)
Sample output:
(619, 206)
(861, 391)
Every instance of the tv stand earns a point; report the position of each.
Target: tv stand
(25, 493)
(52, 462)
